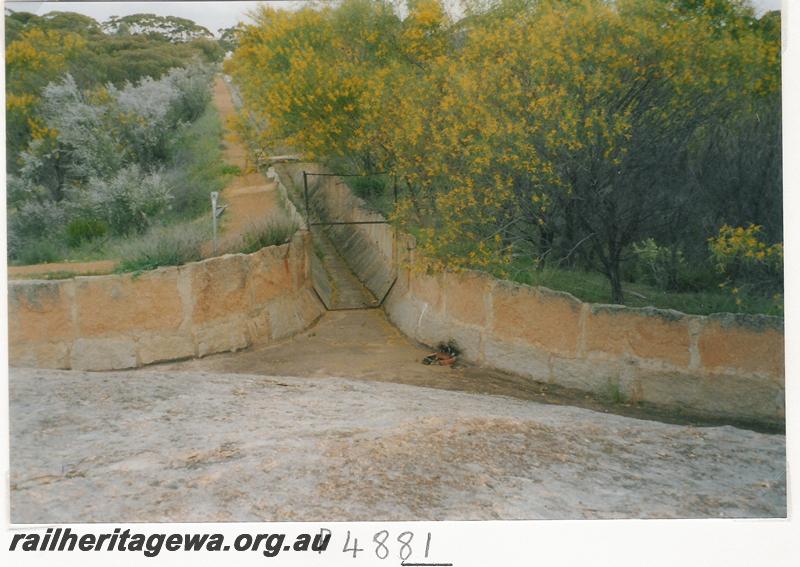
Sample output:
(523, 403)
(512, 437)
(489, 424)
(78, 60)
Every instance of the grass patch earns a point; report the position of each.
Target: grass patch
(260, 235)
(171, 245)
(594, 288)
(614, 394)
(228, 169)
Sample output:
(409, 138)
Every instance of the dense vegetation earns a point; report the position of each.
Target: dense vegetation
(546, 140)
(109, 131)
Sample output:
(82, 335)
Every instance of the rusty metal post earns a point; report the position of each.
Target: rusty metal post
(305, 193)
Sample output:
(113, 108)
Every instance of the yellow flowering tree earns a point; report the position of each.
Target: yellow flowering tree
(554, 131)
(32, 60)
(749, 263)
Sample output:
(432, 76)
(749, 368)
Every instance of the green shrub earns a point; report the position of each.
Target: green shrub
(375, 190)
(659, 266)
(164, 246)
(196, 166)
(130, 200)
(84, 230)
(39, 251)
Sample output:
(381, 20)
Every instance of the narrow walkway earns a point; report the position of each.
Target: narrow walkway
(54, 269)
(251, 199)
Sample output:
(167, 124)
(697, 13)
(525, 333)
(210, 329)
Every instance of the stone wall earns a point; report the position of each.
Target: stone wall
(726, 366)
(122, 321)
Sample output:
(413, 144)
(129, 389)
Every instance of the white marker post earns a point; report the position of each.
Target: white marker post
(214, 197)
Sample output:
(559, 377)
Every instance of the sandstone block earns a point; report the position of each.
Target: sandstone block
(466, 297)
(284, 318)
(605, 378)
(644, 333)
(157, 347)
(403, 311)
(725, 396)
(40, 355)
(542, 318)
(220, 287)
(525, 360)
(309, 307)
(39, 311)
(222, 336)
(118, 304)
(428, 289)
(743, 345)
(269, 274)
(258, 326)
(103, 354)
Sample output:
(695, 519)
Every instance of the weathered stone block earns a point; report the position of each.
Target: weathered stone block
(284, 318)
(645, 333)
(467, 297)
(403, 311)
(39, 311)
(428, 289)
(219, 287)
(119, 304)
(605, 378)
(40, 355)
(295, 251)
(157, 347)
(542, 318)
(222, 336)
(403, 284)
(726, 396)
(258, 326)
(743, 345)
(309, 307)
(522, 359)
(269, 274)
(103, 354)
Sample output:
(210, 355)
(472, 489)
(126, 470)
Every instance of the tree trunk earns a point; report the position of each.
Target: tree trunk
(615, 278)
(546, 238)
(672, 278)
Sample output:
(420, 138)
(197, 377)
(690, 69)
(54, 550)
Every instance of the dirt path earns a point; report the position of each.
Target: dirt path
(189, 446)
(66, 269)
(360, 344)
(250, 197)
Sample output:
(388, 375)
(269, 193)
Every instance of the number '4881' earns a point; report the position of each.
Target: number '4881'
(381, 541)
